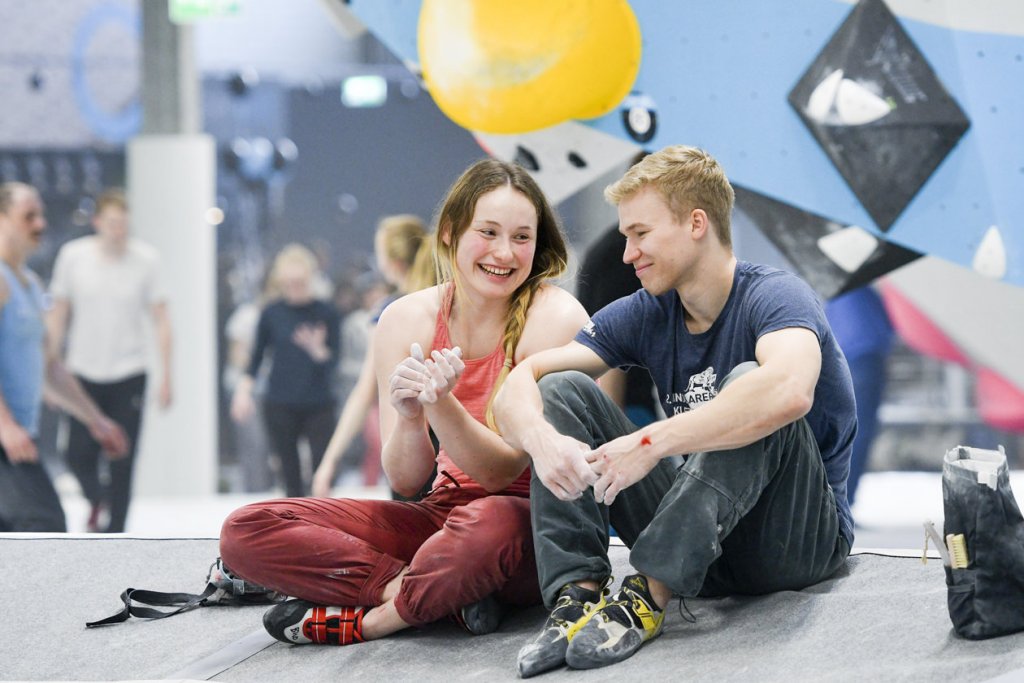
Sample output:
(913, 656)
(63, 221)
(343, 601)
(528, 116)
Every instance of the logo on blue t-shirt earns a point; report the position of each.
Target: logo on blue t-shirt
(589, 329)
(700, 390)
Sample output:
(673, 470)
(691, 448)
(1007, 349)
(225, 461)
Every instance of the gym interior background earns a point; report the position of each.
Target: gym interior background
(320, 127)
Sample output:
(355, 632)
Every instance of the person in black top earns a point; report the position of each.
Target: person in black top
(303, 335)
(604, 277)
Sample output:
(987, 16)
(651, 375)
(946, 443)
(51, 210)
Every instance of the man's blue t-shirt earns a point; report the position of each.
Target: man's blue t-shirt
(650, 332)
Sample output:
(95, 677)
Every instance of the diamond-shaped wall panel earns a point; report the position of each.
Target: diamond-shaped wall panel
(833, 258)
(878, 110)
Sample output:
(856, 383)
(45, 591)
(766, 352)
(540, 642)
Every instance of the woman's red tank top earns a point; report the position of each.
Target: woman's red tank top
(473, 391)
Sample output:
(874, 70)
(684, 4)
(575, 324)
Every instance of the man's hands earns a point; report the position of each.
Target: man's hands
(165, 396)
(561, 463)
(567, 466)
(109, 435)
(418, 381)
(620, 463)
(18, 445)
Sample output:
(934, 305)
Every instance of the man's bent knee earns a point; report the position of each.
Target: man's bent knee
(567, 382)
(739, 371)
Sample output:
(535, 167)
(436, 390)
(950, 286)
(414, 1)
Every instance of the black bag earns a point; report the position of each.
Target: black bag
(985, 537)
(222, 588)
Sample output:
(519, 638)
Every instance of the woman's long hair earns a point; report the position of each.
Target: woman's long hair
(550, 258)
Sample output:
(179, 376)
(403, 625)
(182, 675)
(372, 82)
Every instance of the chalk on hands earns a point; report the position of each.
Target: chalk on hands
(416, 352)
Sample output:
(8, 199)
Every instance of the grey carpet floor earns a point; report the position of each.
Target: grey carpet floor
(880, 618)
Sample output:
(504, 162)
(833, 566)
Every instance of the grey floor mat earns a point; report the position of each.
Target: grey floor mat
(881, 618)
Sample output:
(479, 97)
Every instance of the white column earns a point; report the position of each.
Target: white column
(171, 186)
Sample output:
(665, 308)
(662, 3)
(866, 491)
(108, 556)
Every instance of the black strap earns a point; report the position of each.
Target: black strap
(183, 601)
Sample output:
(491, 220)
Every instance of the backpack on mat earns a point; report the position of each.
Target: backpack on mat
(222, 588)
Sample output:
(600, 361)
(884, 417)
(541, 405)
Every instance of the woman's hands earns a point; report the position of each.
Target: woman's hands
(444, 368)
(418, 380)
(312, 338)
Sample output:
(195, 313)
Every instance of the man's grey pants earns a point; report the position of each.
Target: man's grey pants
(752, 520)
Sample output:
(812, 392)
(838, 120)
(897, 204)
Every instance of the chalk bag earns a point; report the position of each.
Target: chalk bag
(984, 534)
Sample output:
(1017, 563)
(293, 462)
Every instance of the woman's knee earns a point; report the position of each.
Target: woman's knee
(241, 529)
(493, 522)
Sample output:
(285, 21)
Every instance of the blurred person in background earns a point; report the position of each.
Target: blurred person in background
(28, 368)
(106, 289)
(302, 334)
(250, 438)
(359, 463)
(604, 277)
(397, 242)
(865, 334)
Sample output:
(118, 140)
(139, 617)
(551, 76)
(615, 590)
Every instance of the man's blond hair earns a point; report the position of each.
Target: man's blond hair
(687, 178)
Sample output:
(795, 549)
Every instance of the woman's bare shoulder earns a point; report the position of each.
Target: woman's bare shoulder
(413, 314)
(552, 300)
(554, 319)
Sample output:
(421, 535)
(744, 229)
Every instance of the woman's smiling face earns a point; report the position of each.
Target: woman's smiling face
(494, 255)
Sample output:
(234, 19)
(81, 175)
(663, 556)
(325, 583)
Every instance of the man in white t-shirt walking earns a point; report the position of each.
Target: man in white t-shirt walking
(104, 288)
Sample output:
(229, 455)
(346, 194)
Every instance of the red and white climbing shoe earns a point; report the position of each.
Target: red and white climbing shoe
(302, 623)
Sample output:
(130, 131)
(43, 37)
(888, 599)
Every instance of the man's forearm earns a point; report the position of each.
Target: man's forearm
(166, 352)
(56, 327)
(519, 409)
(750, 408)
(64, 390)
(165, 339)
